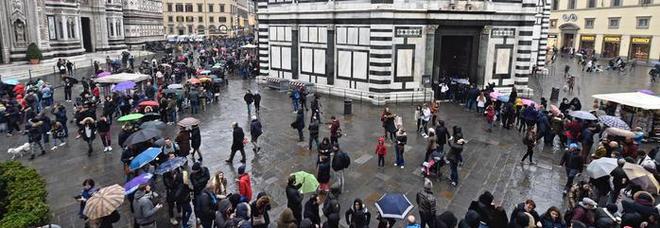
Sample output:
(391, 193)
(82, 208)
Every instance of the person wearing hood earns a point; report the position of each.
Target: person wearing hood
(259, 209)
(237, 143)
(312, 210)
(195, 142)
(287, 220)
(427, 204)
(585, 212)
(88, 133)
(454, 156)
(471, 220)
(144, 206)
(381, 151)
(294, 198)
(205, 206)
(223, 213)
(642, 203)
(358, 216)
(34, 128)
(255, 131)
(331, 210)
(183, 140)
(552, 219)
(526, 207)
(244, 184)
(564, 105)
(489, 214)
(445, 220)
(573, 163)
(199, 178)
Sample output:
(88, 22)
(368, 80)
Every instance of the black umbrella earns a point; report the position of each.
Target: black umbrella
(72, 80)
(150, 116)
(142, 135)
(156, 124)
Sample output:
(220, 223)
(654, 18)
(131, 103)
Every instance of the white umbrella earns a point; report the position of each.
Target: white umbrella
(601, 167)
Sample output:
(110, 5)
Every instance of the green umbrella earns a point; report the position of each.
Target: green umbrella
(308, 181)
(130, 117)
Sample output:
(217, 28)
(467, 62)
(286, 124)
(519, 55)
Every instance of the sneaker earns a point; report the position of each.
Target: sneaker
(402, 167)
(453, 184)
(174, 221)
(109, 148)
(534, 163)
(62, 144)
(53, 148)
(395, 165)
(229, 161)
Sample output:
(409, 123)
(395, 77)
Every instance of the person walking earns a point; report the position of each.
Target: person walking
(257, 101)
(314, 132)
(255, 131)
(59, 111)
(340, 161)
(573, 163)
(381, 151)
(490, 117)
(335, 130)
(427, 204)
(323, 173)
(58, 134)
(530, 141)
(244, 184)
(144, 207)
(103, 128)
(426, 117)
(88, 133)
(248, 98)
(454, 156)
(299, 124)
(442, 135)
(183, 141)
(387, 119)
(294, 198)
(195, 142)
(401, 141)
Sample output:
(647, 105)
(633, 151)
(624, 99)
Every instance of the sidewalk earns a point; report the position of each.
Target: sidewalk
(22, 70)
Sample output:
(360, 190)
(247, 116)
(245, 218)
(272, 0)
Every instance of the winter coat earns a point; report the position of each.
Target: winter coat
(455, 151)
(313, 129)
(245, 186)
(358, 218)
(586, 216)
(220, 216)
(257, 99)
(312, 211)
(144, 208)
(548, 222)
(442, 135)
(200, 179)
(572, 160)
(255, 129)
(299, 123)
(237, 139)
(471, 220)
(259, 212)
(102, 126)
(426, 202)
(195, 138)
(92, 130)
(381, 149)
(286, 219)
(248, 98)
(242, 218)
(521, 209)
(204, 206)
(34, 131)
(183, 140)
(323, 175)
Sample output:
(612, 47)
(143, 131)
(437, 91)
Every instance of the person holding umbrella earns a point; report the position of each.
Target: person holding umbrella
(183, 140)
(88, 190)
(237, 143)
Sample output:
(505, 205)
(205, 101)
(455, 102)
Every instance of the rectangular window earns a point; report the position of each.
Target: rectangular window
(171, 28)
(169, 7)
(616, 2)
(210, 8)
(189, 19)
(190, 29)
(643, 22)
(613, 22)
(118, 28)
(211, 19)
(571, 4)
(222, 19)
(589, 23)
(591, 4)
(222, 8)
(179, 18)
(200, 8)
(555, 4)
(112, 28)
(179, 7)
(170, 18)
(189, 7)
(52, 28)
(200, 19)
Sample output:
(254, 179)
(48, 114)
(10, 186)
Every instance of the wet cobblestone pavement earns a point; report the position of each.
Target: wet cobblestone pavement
(491, 159)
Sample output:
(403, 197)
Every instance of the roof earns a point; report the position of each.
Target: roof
(634, 99)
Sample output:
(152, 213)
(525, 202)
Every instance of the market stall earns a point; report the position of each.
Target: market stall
(637, 109)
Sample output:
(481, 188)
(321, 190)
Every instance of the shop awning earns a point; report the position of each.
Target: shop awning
(635, 99)
(116, 78)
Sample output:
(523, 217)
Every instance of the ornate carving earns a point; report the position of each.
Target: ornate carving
(19, 32)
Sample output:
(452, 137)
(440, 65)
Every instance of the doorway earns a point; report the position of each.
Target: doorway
(456, 56)
(86, 34)
(568, 40)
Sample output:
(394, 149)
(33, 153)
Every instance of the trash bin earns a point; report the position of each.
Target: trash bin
(348, 109)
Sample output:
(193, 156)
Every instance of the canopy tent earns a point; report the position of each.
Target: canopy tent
(634, 99)
(116, 78)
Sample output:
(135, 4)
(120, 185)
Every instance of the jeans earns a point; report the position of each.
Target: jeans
(249, 109)
(313, 138)
(172, 117)
(381, 160)
(62, 140)
(294, 103)
(194, 108)
(187, 212)
(399, 155)
(570, 176)
(300, 134)
(453, 166)
(105, 138)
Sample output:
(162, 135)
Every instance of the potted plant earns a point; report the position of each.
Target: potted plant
(33, 53)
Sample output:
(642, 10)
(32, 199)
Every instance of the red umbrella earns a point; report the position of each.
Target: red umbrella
(148, 103)
(194, 81)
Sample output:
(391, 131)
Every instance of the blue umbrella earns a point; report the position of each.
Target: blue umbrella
(170, 165)
(582, 115)
(613, 121)
(124, 86)
(11, 82)
(503, 98)
(145, 157)
(394, 205)
(133, 184)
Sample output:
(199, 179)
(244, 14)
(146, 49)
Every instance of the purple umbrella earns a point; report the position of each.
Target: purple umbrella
(646, 91)
(103, 74)
(133, 185)
(124, 86)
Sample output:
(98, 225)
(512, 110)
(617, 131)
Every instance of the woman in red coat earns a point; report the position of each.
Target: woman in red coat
(244, 185)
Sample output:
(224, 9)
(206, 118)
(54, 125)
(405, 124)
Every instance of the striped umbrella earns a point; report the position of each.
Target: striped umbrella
(613, 121)
(104, 202)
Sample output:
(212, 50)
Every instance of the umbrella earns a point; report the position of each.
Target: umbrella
(145, 157)
(124, 86)
(216, 67)
(142, 135)
(172, 91)
(130, 117)
(149, 103)
(71, 79)
(132, 185)
(494, 94)
(103, 74)
(613, 121)
(104, 202)
(582, 115)
(170, 165)
(528, 102)
(194, 81)
(175, 86)
(166, 65)
(601, 167)
(618, 132)
(646, 91)
(503, 98)
(157, 124)
(640, 176)
(599, 112)
(205, 72)
(308, 181)
(394, 205)
(205, 79)
(11, 82)
(150, 116)
(188, 122)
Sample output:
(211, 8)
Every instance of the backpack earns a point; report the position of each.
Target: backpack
(340, 161)
(213, 200)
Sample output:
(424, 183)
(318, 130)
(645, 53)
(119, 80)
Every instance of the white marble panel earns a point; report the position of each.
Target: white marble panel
(352, 35)
(306, 63)
(344, 63)
(360, 64)
(313, 34)
(275, 57)
(404, 62)
(319, 61)
(286, 58)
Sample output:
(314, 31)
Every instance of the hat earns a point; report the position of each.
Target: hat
(428, 184)
(381, 140)
(241, 169)
(573, 146)
(644, 196)
(588, 203)
(196, 166)
(254, 117)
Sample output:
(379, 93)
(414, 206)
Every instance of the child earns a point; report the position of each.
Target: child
(381, 151)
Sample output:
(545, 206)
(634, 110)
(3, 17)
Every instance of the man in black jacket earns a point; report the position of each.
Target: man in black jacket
(248, 98)
(573, 163)
(257, 101)
(427, 204)
(237, 143)
(294, 198)
(312, 210)
(314, 132)
(199, 178)
(442, 134)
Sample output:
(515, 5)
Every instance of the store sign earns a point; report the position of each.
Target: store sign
(639, 40)
(552, 36)
(612, 39)
(587, 38)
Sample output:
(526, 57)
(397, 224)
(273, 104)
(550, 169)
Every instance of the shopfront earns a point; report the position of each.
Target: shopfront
(611, 46)
(587, 42)
(640, 48)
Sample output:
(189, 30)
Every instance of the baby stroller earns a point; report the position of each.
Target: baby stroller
(433, 165)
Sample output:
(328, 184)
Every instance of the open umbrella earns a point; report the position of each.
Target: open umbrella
(601, 167)
(157, 124)
(132, 185)
(613, 121)
(142, 135)
(149, 103)
(145, 157)
(528, 102)
(205, 79)
(618, 132)
(175, 86)
(582, 115)
(308, 181)
(170, 165)
(205, 72)
(216, 66)
(503, 98)
(646, 91)
(10, 82)
(130, 117)
(194, 81)
(599, 112)
(71, 79)
(494, 94)
(640, 176)
(104, 202)
(394, 205)
(150, 116)
(103, 74)
(125, 85)
(188, 122)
